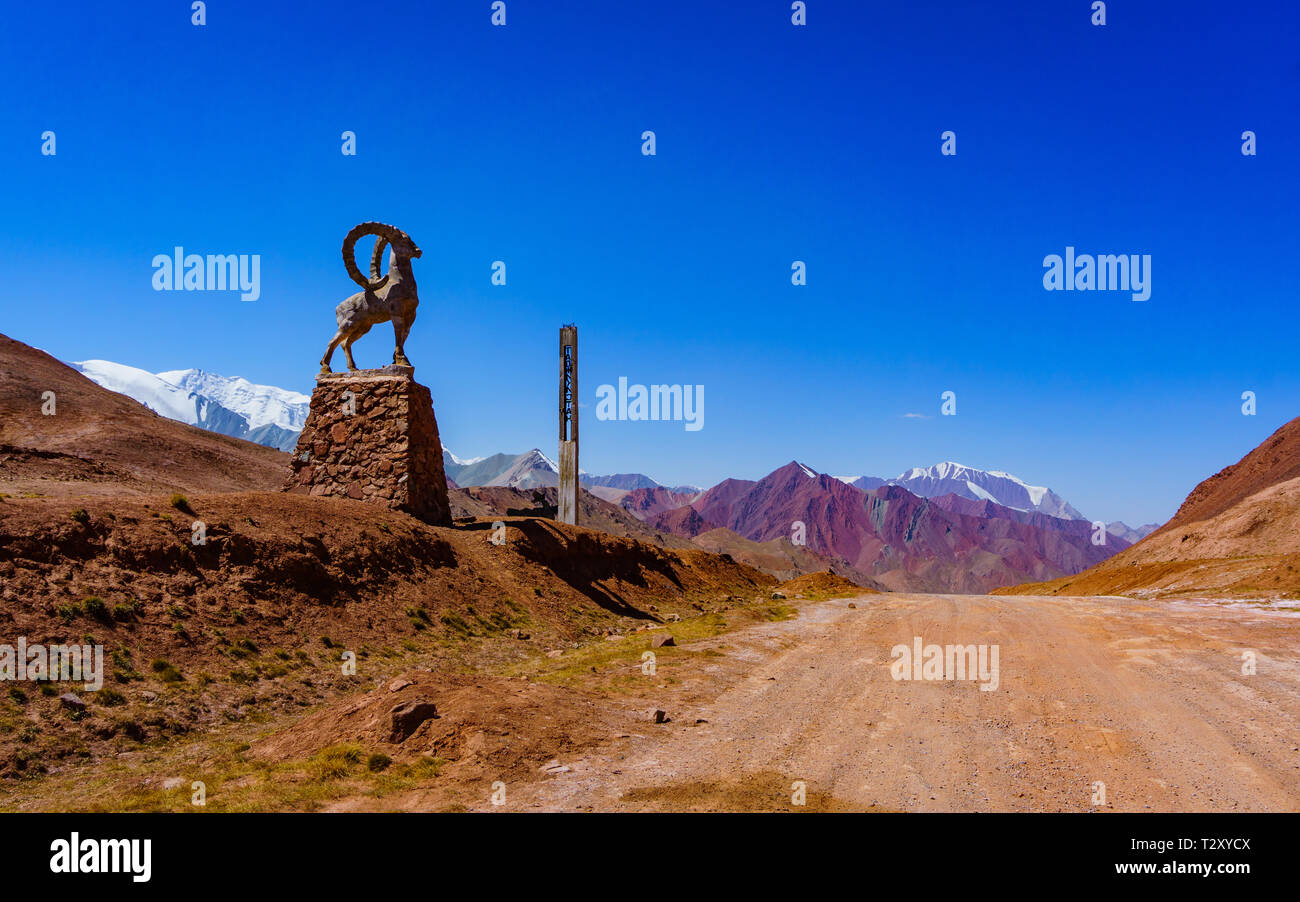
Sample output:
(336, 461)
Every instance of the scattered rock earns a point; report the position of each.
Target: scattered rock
(852, 605)
(673, 618)
(661, 641)
(172, 782)
(555, 767)
(398, 685)
(554, 653)
(662, 717)
(407, 717)
(520, 635)
(778, 595)
(71, 702)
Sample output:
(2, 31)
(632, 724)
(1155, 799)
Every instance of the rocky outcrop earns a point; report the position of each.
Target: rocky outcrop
(407, 717)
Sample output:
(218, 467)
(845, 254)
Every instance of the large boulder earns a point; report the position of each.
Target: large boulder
(408, 717)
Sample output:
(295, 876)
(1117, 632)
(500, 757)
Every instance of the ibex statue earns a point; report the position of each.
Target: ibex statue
(383, 298)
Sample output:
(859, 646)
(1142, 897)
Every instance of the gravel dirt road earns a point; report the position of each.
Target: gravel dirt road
(1148, 698)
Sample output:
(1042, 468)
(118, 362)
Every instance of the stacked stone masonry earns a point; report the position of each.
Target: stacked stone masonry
(371, 435)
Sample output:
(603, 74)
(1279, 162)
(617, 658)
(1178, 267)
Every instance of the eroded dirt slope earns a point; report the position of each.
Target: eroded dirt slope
(255, 618)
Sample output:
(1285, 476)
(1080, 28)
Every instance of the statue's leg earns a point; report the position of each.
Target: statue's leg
(329, 352)
(354, 332)
(400, 329)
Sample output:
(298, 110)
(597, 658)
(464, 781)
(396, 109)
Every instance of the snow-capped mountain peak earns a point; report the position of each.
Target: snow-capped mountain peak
(950, 477)
(261, 405)
(231, 406)
(536, 457)
(158, 395)
(459, 461)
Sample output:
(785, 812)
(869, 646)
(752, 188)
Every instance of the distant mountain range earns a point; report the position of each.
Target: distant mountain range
(274, 417)
(901, 540)
(950, 478)
(530, 470)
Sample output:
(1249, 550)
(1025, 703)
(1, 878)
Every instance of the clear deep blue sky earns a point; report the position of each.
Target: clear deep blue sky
(775, 143)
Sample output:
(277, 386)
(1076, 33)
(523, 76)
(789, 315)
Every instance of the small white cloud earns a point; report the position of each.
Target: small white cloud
(915, 416)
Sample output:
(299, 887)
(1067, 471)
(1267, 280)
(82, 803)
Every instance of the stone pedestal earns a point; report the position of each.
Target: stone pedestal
(371, 435)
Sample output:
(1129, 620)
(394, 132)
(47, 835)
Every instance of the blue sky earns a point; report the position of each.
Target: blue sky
(775, 143)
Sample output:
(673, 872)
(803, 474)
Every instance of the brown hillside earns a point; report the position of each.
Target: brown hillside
(260, 614)
(313, 565)
(1276, 460)
(100, 442)
(1251, 550)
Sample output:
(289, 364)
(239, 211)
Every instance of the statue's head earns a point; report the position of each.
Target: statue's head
(389, 236)
(403, 246)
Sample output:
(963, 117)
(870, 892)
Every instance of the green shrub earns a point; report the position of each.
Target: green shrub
(94, 607)
(80, 515)
(124, 671)
(378, 761)
(110, 698)
(243, 648)
(166, 672)
(458, 624)
(181, 503)
(126, 611)
(336, 761)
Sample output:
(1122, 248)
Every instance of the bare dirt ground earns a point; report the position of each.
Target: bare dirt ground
(1148, 698)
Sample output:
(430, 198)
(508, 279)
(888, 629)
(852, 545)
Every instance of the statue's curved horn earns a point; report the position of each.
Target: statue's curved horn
(377, 275)
(349, 253)
(387, 234)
